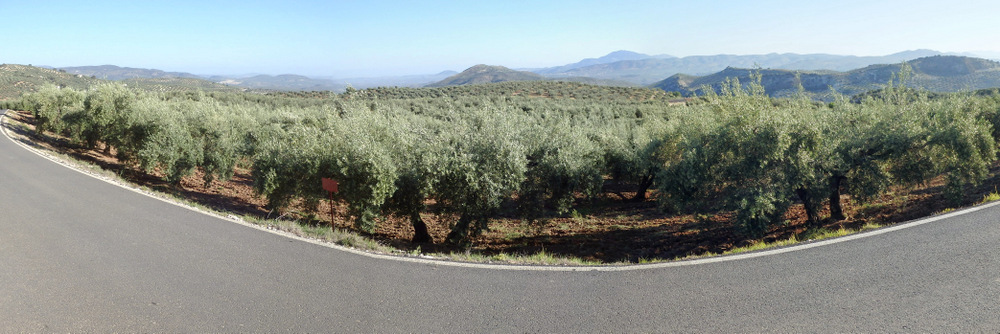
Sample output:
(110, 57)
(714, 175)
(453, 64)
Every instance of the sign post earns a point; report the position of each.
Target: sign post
(330, 185)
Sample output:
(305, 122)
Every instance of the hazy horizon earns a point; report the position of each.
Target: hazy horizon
(986, 55)
(373, 39)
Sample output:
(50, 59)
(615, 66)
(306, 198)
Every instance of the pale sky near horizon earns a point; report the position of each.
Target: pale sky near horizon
(377, 38)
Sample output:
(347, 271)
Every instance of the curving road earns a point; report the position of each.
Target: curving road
(81, 255)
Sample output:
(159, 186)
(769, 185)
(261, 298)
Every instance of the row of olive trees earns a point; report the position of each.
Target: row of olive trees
(474, 156)
(470, 156)
(758, 155)
(142, 129)
(392, 162)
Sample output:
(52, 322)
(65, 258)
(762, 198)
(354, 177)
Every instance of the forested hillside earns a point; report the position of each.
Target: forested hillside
(112, 72)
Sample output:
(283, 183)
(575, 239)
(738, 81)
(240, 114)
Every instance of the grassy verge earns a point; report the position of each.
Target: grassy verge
(539, 258)
(807, 236)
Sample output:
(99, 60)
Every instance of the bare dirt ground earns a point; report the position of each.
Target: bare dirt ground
(606, 229)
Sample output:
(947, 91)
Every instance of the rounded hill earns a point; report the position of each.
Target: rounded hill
(481, 74)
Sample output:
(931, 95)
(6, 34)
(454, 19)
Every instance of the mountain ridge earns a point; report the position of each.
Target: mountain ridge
(619, 68)
(940, 73)
(650, 70)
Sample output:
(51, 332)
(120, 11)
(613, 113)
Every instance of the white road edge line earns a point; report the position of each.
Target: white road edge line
(436, 262)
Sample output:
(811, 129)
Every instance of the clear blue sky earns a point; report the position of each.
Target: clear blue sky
(369, 38)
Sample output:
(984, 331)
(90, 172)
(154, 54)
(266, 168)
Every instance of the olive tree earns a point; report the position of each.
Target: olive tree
(904, 138)
(291, 166)
(419, 153)
(561, 162)
(757, 160)
(485, 166)
(107, 113)
(50, 104)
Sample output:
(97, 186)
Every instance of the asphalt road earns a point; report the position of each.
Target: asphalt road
(78, 254)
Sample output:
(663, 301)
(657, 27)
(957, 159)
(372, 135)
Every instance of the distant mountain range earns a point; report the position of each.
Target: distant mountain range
(649, 69)
(619, 68)
(935, 73)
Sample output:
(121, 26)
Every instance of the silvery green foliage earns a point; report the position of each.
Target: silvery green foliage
(290, 166)
(476, 152)
(50, 104)
(419, 154)
(761, 154)
(485, 167)
(561, 162)
(630, 149)
(108, 111)
(160, 137)
(905, 137)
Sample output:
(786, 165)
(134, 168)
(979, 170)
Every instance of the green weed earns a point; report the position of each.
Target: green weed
(991, 197)
(824, 233)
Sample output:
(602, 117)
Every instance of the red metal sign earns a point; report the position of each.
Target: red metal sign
(330, 185)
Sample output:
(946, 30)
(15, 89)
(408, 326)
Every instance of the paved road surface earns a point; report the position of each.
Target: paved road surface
(81, 255)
